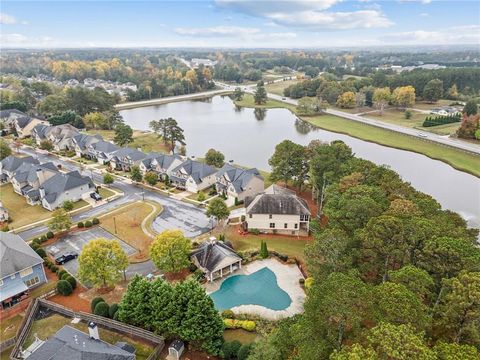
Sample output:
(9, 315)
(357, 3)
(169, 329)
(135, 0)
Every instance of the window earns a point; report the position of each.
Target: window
(250, 216)
(272, 225)
(32, 281)
(270, 216)
(26, 272)
(303, 217)
(285, 225)
(296, 226)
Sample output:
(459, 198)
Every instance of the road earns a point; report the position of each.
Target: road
(443, 140)
(175, 215)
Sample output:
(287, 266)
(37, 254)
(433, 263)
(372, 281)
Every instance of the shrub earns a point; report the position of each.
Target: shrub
(291, 261)
(242, 218)
(48, 263)
(408, 114)
(101, 309)
(263, 250)
(192, 267)
(249, 325)
(230, 349)
(65, 276)
(43, 238)
(308, 283)
(228, 314)
(201, 196)
(80, 224)
(229, 323)
(95, 301)
(301, 281)
(95, 221)
(54, 268)
(34, 246)
(64, 287)
(112, 310)
(441, 120)
(72, 281)
(244, 351)
(61, 273)
(41, 253)
(254, 231)
(50, 235)
(88, 224)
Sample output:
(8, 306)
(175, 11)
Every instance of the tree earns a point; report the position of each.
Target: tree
(470, 108)
(468, 126)
(101, 309)
(170, 251)
(95, 120)
(347, 100)
(123, 135)
(238, 94)
(214, 158)
(46, 145)
(418, 281)
(136, 305)
(289, 162)
(68, 205)
(151, 178)
(218, 209)
(404, 96)
(60, 221)
(101, 262)
(260, 95)
(309, 106)
(67, 117)
(108, 179)
(136, 174)
(381, 97)
(453, 92)
(4, 149)
(449, 351)
(433, 90)
(263, 250)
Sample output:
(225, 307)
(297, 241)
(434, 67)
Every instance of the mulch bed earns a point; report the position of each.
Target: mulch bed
(178, 276)
(74, 301)
(189, 354)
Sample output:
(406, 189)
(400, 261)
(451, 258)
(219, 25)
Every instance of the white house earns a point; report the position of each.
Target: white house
(124, 158)
(11, 163)
(238, 183)
(161, 164)
(277, 210)
(101, 151)
(61, 136)
(193, 176)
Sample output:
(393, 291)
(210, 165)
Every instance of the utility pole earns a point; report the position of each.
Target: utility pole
(115, 225)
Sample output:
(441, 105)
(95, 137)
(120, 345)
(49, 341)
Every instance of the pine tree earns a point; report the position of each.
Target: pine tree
(260, 95)
(263, 250)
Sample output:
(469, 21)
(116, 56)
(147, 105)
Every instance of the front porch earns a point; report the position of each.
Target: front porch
(217, 274)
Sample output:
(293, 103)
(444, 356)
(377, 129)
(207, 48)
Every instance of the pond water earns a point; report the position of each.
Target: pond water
(248, 137)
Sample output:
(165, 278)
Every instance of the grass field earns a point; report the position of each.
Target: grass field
(128, 221)
(278, 87)
(397, 117)
(9, 327)
(146, 141)
(245, 337)
(47, 327)
(105, 193)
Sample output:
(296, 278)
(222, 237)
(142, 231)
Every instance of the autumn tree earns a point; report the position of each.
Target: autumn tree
(95, 120)
(381, 97)
(347, 100)
(404, 96)
(170, 251)
(151, 178)
(101, 263)
(60, 221)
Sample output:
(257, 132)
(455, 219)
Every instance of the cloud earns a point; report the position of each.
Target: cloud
(420, 1)
(12, 39)
(308, 14)
(19, 40)
(465, 34)
(424, 14)
(6, 19)
(217, 31)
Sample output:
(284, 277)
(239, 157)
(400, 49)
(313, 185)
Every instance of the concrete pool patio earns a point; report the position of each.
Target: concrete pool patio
(287, 279)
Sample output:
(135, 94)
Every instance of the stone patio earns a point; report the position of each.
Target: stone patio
(287, 278)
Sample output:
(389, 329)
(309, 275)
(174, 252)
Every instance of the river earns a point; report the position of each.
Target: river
(248, 137)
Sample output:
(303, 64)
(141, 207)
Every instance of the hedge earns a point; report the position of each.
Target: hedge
(441, 120)
(101, 309)
(41, 253)
(61, 273)
(64, 287)
(65, 276)
(248, 325)
(112, 310)
(80, 224)
(54, 268)
(95, 301)
(72, 281)
(95, 221)
(230, 349)
(50, 235)
(44, 238)
(88, 224)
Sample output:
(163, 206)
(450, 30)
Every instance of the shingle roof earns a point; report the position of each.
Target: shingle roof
(15, 255)
(133, 154)
(6, 113)
(212, 255)
(197, 170)
(60, 183)
(28, 172)
(39, 130)
(276, 200)
(105, 146)
(70, 343)
(238, 177)
(83, 140)
(12, 163)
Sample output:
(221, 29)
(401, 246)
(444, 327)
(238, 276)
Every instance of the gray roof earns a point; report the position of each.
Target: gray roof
(238, 177)
(105, 146)
(12, 163)
(39, 130)
(133, 154)
(195, 169)
(72, 344)
(7, 113)
(60, 132)
(23, 121)
(83, 140)
(163, 160)
(277, 200)
(212, 255)
(60, 183)
(15, 255)
(28, 172)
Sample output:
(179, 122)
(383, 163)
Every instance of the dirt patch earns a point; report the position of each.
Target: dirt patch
(178, 276)
(74, 302)
(110, 296)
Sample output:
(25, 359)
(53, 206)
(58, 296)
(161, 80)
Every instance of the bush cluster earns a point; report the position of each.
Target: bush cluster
(64, 287)
(235, 350)
(441, 120)
(80, 224)
(88, 224)
(248, 325)
(101, 308)
(254, 231)
(95, 221)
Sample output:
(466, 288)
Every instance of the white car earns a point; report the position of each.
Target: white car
(422, 135)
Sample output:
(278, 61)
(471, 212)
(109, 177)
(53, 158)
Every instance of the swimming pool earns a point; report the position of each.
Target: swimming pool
(259, 288)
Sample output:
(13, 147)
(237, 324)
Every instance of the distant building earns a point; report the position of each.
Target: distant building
(195, 62)
(81, 142)
(21, 270)
(61, 136)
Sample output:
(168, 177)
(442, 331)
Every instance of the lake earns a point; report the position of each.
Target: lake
(248, 137)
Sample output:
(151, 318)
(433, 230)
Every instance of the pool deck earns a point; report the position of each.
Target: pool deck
(287, 278)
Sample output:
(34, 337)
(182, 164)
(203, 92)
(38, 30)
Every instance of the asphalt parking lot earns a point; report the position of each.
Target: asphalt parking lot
(76, 241)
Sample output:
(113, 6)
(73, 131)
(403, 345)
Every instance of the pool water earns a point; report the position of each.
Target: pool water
(259, 288)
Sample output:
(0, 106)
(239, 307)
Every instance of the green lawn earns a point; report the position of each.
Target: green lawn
(245, 337)
(146, 141)
(427, 106)
(278, 87)
(47, 327)
(397, 117)
(9, 327)
(105, 193)
(447, 129)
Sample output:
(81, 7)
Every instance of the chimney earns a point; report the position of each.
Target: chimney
(93, 330)
(212, 240)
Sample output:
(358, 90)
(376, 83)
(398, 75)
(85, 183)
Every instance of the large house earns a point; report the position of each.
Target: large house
(11, 163)
(20, 122)
(124, 158)
(21, 270)
(193, 176)
(29, 177)
(81, 143)
(238, 183)
(216, 259)
(277, 210)
(161, 164)
(61, 136)
(101, 151)
(61, 187)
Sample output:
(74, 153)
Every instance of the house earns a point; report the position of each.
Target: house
(71, 343)
(195, 63)
(277, 210)
(61, 136)
(7, 117)
(11, 163)
(101, 151)
(4, 216)
(238, 183)
(176, 349)
(29, 177)
(193, 176)
(81, 142)
(445, 110)
(124, 158)
(216, 259)
(62, 187)
(20, 122)
(21, 270)
(161, 164)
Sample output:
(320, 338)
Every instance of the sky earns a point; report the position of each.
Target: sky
(238, 23)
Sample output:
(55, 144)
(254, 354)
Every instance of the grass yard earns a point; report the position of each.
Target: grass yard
(245, 337)
(248, 101)
(278, 87)
(145, 140)
(456, 158)
(47, 327)
(428, 106)
(446, 129)
(128, 221)
(105, 193)
(288, 245)
(9, 327)
(397, 117)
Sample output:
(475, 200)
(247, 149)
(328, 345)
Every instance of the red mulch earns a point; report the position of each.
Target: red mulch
(189, 354)
(74, 301)
(178, 276)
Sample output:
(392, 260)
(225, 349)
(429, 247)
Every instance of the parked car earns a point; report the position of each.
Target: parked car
(95, 196)
(62, 259)
(422, 135)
